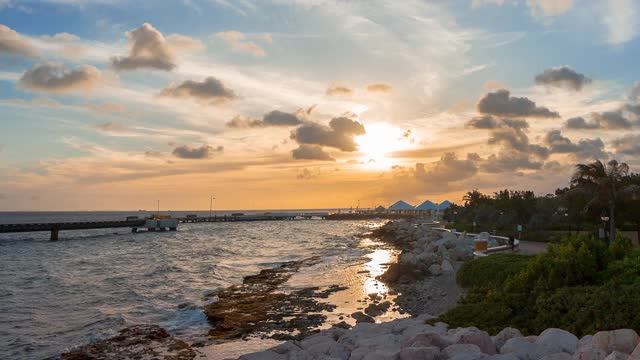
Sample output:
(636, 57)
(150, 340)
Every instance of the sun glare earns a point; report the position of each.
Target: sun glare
(378, 143)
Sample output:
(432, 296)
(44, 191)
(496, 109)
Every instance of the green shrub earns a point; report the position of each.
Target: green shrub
(490, 271)
(491, 317)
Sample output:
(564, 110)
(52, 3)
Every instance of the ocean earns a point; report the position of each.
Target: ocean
(91, 283)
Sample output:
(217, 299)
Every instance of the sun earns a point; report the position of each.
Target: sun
(378, 143)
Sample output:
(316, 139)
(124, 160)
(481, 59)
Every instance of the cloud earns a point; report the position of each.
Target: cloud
(448, 169)
(634, 92)
(14, 44)
(311, 152)
(179, 42)
(490, 122)
(379, 87)
(621, 21)
(478, 3)
(149, 49)
(211, 91)
(307, 174)
(111, 126)
(562, 77)
(57, 78)
(338, 90)
(203, 152)
(500, 103)
(549, 7)
(339, 134)
(273, 118)
(583, 149)
(580, 123)
(237, 41)
(628, 145)
(105, 108)
(509, 162)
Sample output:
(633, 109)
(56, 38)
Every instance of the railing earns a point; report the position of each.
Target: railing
(491, 250)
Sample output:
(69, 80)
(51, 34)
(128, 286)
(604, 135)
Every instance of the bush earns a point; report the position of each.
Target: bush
(491, 271)
(491, 317)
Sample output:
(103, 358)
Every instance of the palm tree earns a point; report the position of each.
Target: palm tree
(602, 184)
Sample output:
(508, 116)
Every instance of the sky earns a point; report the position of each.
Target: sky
(283, 104)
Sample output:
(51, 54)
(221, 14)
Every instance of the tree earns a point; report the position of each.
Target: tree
(602, 185)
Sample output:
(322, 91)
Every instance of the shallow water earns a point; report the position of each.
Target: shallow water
(88, 285)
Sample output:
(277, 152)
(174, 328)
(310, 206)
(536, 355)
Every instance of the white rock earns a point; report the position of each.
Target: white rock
(427, 339)
(435, 269)
(419, 353)
(555, 340)
(557, 356)
(507, 333)
(635, 355)
(589, 352)
(623, 340)
(263, 355)
(287, 347)
(521, 348)
(462, 352)
(617, 355)
(585, 340)
(477, 337)
(501, 357)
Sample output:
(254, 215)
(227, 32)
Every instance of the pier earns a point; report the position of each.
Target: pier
(153, 224)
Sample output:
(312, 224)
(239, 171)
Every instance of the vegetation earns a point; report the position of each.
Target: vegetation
(580, 284)
(596, 191)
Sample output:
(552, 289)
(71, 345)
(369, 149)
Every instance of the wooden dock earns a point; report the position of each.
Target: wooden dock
(150, 224)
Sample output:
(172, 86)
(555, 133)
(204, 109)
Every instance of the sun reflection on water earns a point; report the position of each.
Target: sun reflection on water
(376, 267)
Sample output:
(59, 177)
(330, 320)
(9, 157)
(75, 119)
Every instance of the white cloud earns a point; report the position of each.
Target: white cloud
(621, 21)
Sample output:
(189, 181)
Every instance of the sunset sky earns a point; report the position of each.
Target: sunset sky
(113, 104)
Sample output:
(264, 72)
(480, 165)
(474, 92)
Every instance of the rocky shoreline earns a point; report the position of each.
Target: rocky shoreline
(421, 283)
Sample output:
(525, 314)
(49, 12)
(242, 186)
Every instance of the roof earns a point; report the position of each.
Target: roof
(443, 205)
(401, 205)
(427, 205)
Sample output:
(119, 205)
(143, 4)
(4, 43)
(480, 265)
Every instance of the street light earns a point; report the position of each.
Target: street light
(211, 204)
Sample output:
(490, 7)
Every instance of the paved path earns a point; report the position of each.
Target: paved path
(532, 247)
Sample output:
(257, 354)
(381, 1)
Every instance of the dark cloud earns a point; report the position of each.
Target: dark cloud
(311, 152)
(149, 49)
(612, 120)
(583, 149)
(448, 169)
(59, 79)
(628, 145)
(13, 44)
(211, 91)
(202, 152)
(339, 90)
(515, 139)
(580, 123)
(490, 122)
(509, 162)
(379, 87)
(562, 77)
(339, 134)
(273, 118)
(500, 103)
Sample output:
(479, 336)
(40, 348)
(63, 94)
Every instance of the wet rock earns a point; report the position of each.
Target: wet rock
(135, 342)
(377, 309)
(360, 317)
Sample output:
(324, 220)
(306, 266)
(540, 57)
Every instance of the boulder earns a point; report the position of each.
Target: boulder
(635, 355)
(622, 340)
(427, 339)
(555, 340)
(462, 352)
(617, 355)
(585, 340)
(419, 353)
(521, 348)
(589, 352)
(476, 337)
(507, 333)
(557, 356)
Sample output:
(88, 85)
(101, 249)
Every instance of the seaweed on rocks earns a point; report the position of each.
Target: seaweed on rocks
(135, 342)
(256, 306)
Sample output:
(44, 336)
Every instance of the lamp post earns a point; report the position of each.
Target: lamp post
(605, 218)
(211, 205)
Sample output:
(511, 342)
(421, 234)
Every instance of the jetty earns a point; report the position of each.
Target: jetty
(155, 223)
